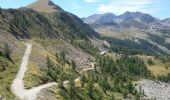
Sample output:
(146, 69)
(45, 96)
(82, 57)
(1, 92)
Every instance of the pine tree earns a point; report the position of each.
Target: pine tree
(73, 65)
(83, 80)
(112, 97)
(49, 64)
(130, 87)
(57, 57)
(137, 96)
(7, 52)
(71, 87)
(62, 57)
(150, 62)
(125, 94)
(90, 86)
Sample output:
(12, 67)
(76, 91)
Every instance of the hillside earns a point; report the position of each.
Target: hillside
(47, 53)
(166, 21)
(25, 23)
(50, 32)
(100, 18)
(30, 24)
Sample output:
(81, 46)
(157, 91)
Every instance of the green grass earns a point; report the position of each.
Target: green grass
(11, 69)
(6, 78)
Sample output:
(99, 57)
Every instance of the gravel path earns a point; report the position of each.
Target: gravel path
(18, 84)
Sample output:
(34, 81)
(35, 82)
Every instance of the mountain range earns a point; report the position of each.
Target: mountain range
(102, 57)
(129, 18)
(138, 28)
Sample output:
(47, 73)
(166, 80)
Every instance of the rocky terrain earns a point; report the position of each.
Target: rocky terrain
(154, 90)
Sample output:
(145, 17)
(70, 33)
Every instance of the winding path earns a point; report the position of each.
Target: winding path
(18, 84)
(83, 70)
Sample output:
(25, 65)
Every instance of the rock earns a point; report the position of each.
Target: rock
(154, 89)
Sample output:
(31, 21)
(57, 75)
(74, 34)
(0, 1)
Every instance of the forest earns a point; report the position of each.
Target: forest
(109, 78)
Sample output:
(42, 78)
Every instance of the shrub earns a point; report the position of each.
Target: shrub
(150, 62)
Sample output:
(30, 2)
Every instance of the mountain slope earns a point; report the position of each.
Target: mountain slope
(134, 28)
(64, 49)
(28, 23)
(138, 16)
(99, 18)
(166, 22)
(51, 32)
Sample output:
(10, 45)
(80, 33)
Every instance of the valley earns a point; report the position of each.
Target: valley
(137, 29)
(47, 53)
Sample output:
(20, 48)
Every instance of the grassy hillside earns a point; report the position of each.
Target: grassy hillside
(110, 80)
(54, 32)
(61, 47)
(9, 66)
(28, 23)
(7, 73)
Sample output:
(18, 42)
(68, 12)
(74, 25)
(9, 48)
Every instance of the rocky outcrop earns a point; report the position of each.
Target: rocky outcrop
(155, 90)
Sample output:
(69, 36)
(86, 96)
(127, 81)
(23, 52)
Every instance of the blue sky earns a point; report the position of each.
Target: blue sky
(84, 8)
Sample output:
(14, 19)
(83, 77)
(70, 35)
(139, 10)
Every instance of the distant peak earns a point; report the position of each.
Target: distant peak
(43, 0)
(111, 14)
(46, 6)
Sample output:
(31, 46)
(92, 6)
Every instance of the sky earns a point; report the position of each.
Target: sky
(84, 8)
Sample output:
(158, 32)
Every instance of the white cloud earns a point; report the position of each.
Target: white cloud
(90, 1)
(121, 6)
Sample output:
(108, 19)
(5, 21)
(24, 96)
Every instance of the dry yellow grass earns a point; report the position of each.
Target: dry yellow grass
(32, 75)
(118, 96)
(158, 68)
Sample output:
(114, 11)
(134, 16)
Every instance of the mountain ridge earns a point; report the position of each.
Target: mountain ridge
(138, 16)
(132, 27)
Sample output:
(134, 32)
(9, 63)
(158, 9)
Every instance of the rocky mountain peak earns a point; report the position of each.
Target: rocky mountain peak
(46, 6)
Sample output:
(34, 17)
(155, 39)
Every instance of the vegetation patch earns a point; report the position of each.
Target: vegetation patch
(9, 66)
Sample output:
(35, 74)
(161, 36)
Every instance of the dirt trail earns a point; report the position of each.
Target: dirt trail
(83, 70)
(18, 84)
